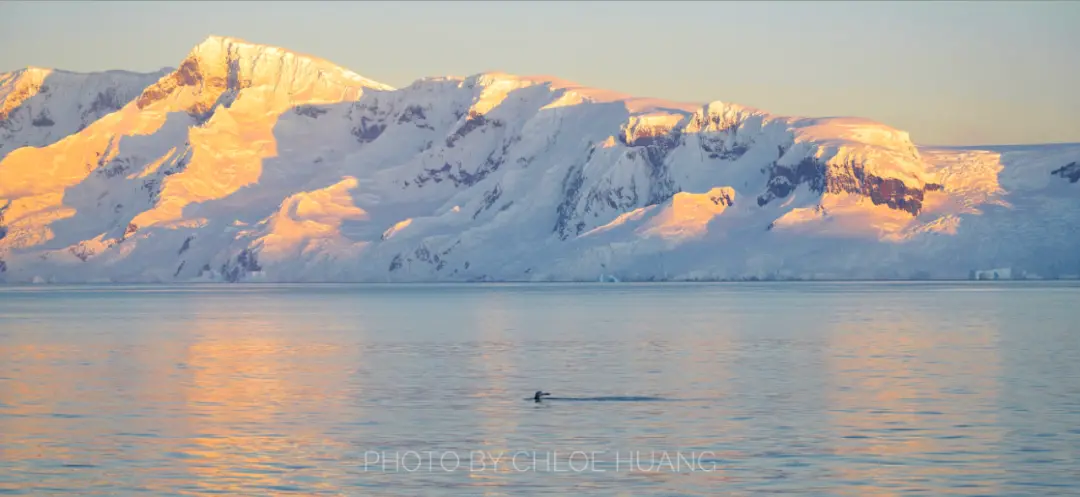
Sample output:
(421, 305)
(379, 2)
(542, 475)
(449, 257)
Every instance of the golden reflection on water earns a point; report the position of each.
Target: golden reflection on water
(493, 362)
(839, 394)
(895, 385)
(29, 404)
(255, 400)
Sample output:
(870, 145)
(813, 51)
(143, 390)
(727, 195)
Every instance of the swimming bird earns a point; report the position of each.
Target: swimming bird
(540, 394)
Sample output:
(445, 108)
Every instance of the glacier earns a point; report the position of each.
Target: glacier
(249, 162)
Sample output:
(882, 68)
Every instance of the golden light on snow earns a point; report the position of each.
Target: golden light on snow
(310, 219)
(396, 228)
(688, 214)
(226, 152)
(255, 140)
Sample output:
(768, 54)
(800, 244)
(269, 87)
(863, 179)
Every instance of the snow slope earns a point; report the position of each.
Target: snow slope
(39, 107)
(254, 163)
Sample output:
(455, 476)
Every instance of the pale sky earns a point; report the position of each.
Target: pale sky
(956, 73)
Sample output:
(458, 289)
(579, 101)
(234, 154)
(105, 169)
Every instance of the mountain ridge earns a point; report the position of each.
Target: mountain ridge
(251, 162)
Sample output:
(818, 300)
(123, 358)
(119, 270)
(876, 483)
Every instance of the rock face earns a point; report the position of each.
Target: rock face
(253, 163)
(848, 177)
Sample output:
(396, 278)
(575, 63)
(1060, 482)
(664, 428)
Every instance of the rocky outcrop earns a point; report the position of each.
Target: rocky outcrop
(187, 74)
(784, 179)
(847, 177)
(244, 263)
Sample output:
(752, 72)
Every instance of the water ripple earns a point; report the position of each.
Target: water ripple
(802, 389)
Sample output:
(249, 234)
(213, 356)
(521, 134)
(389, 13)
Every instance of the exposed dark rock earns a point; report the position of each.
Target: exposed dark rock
(894, 193)
(105, 102)
(435, 175)
(411, 113)
(722, 199)
(652, 144)
(370, 107)
(246, 262)
(723, 153)
(460, 177)
(117, 167)
(661, 186)
(216, 90)
(474, 121)
(1071, 172)
(3, 266)
(424, 254)
(43, 120)
(720, 129)
(3, 229)
(396, 263)
(614, 198)
(368, 130)
(310, 111)
(180, 162)
(81, 251)
(490, 197)
(201, 114)
(850, 177)
(716, 144)
(177, 273)
(152, 187)
(571, 193)
(14, 100)
(784, 179)
(186, 75)
(644, 136)
(186, 245)
(223, 91)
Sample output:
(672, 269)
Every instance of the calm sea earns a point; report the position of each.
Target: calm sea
(668, 389)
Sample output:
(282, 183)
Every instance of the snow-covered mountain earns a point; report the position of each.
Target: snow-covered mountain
(34, 113)
(254, 163)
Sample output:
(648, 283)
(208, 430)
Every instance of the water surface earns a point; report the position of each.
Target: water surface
(753, 388)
